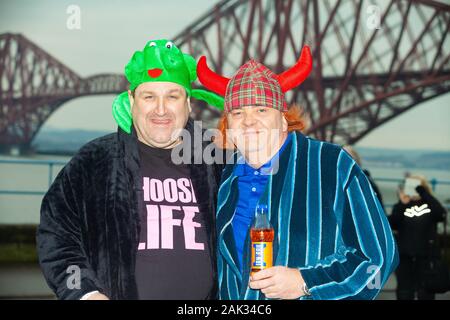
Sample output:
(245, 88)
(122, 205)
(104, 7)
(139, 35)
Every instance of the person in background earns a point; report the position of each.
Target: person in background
(355, 155)
(414, 218)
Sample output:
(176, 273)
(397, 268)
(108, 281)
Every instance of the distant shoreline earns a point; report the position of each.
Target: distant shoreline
(56, 153)
(368, 161)
(66, 143)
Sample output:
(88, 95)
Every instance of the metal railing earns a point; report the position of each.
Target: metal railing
(51, 163)
(433, 182)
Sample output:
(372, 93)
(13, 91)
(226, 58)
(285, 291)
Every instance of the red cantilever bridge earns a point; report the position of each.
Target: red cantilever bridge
(371, 63)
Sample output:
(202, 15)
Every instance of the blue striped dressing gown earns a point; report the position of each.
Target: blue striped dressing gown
(328, 224)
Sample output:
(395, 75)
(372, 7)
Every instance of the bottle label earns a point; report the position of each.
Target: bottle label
(261, 255)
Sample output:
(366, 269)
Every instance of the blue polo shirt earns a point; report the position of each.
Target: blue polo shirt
(251, 183)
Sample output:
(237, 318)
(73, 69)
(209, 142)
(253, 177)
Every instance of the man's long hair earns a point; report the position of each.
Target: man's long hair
(296, 118)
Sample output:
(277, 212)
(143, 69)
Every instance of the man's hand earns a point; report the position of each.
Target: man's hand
(278, 282)
(97, 296)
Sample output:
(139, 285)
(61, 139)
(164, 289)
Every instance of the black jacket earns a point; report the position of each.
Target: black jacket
(90, 218)
(416, 230)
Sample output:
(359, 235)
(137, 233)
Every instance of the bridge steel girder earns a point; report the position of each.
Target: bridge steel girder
(357, 62)
(33, 84)
(371, 63)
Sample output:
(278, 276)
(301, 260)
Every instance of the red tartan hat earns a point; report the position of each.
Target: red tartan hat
(254, 84)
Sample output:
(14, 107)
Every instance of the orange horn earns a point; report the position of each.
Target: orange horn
(298, 73)
(211, 80)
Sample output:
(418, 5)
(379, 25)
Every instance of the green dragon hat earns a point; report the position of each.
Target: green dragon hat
(160, 61)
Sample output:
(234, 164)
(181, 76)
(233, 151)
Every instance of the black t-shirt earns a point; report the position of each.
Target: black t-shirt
(173, 259)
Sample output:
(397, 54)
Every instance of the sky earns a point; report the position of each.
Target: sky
(110, 31)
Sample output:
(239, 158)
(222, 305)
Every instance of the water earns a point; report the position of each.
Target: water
(24, 209)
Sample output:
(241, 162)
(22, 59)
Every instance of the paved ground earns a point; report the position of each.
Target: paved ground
(27, 282)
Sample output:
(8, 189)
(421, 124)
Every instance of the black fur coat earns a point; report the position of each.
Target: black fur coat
(90, 218)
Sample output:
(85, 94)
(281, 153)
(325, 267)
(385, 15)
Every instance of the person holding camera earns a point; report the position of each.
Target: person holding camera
(414, 218)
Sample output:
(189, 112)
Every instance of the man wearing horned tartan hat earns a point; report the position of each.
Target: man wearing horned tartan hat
(332, 239)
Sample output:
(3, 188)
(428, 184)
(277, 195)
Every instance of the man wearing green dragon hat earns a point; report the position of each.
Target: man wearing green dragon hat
(122, 220)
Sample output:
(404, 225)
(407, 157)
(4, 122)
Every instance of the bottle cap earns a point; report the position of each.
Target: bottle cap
(263, 208)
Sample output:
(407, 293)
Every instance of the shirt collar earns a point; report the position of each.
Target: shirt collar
(244, 169)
